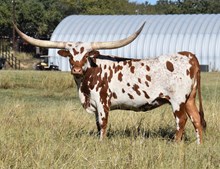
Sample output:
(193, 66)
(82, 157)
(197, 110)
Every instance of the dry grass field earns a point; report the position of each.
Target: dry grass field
(42, 125)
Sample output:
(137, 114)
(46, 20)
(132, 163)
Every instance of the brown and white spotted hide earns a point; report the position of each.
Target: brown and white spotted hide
(106, 83)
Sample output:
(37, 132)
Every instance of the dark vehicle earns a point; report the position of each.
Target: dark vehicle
(43, 64)
(2, 62)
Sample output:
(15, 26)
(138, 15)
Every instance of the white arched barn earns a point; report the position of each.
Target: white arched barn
(162, 34)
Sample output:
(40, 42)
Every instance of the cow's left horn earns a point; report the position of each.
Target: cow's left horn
(116, 44)
(40, 43)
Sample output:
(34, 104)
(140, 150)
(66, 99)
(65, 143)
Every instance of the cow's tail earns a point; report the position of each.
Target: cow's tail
(201, 112)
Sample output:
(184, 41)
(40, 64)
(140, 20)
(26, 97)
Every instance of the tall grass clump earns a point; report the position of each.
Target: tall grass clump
(23, 55)
(43, 125)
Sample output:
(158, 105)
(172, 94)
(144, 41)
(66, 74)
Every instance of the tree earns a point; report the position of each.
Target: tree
(213, 6)
(5, 16)
(54, 12)
(166, 7)
(101, 7)
(39, 18)
(29, 15)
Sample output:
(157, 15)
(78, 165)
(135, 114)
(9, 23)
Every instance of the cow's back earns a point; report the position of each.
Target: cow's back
(134, 83)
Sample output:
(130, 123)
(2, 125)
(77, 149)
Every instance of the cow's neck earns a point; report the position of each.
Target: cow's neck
(94, 63)
(78, 80)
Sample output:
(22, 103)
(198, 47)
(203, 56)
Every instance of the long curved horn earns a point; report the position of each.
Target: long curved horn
(116, 44)
(40, 43)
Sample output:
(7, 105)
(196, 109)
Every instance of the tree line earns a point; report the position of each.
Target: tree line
(40, 17)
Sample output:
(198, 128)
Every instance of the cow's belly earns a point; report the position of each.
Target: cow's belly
(137, 104)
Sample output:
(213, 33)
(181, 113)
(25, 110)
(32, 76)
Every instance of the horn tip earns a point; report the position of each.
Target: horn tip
(140, 29)
(143, 25)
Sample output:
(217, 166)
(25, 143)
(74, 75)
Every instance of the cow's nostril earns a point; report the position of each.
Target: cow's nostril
(76, 70)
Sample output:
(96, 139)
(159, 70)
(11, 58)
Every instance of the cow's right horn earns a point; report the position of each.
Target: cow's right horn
(40, 43)
(117, 44)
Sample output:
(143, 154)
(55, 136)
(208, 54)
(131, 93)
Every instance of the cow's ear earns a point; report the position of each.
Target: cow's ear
(64, 53)
(93, 54)
(92, 61)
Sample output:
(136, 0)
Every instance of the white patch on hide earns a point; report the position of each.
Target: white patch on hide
(77, 46)
(177, 123)
(197, 136)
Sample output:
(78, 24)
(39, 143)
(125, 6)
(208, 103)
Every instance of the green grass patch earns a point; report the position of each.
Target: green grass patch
(42, 125)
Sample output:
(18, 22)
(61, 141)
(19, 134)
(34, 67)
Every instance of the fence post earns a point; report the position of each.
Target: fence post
(3, 50)
(9, 59)
(4, 55)
(12, 60)
(1, 47)
(6, 51)
(15, 63)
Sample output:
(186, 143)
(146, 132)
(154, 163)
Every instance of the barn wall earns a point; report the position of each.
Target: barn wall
(162, 34)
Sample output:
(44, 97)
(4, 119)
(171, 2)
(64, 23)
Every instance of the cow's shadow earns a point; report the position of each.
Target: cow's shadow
(134, 132)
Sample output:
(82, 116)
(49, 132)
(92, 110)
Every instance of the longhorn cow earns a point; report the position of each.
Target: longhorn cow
(107, 82)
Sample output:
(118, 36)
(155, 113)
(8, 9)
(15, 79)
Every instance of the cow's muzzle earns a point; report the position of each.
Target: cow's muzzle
(77, 71)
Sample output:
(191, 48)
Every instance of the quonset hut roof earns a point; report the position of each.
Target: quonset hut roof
(162, 34)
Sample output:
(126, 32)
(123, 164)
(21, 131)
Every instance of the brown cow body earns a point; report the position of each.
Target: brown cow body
(141, 85)
(106, 82)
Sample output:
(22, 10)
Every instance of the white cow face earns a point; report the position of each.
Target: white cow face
(78, 54)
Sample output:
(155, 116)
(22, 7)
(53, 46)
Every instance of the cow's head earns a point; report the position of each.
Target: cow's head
(79, 52)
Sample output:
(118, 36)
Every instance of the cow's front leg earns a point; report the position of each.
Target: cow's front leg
(102, 120)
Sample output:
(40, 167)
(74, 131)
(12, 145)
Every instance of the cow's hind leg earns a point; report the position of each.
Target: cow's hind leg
(194, 115)
(181, 118)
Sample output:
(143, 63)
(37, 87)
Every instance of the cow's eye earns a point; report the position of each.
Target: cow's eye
(71, 61)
